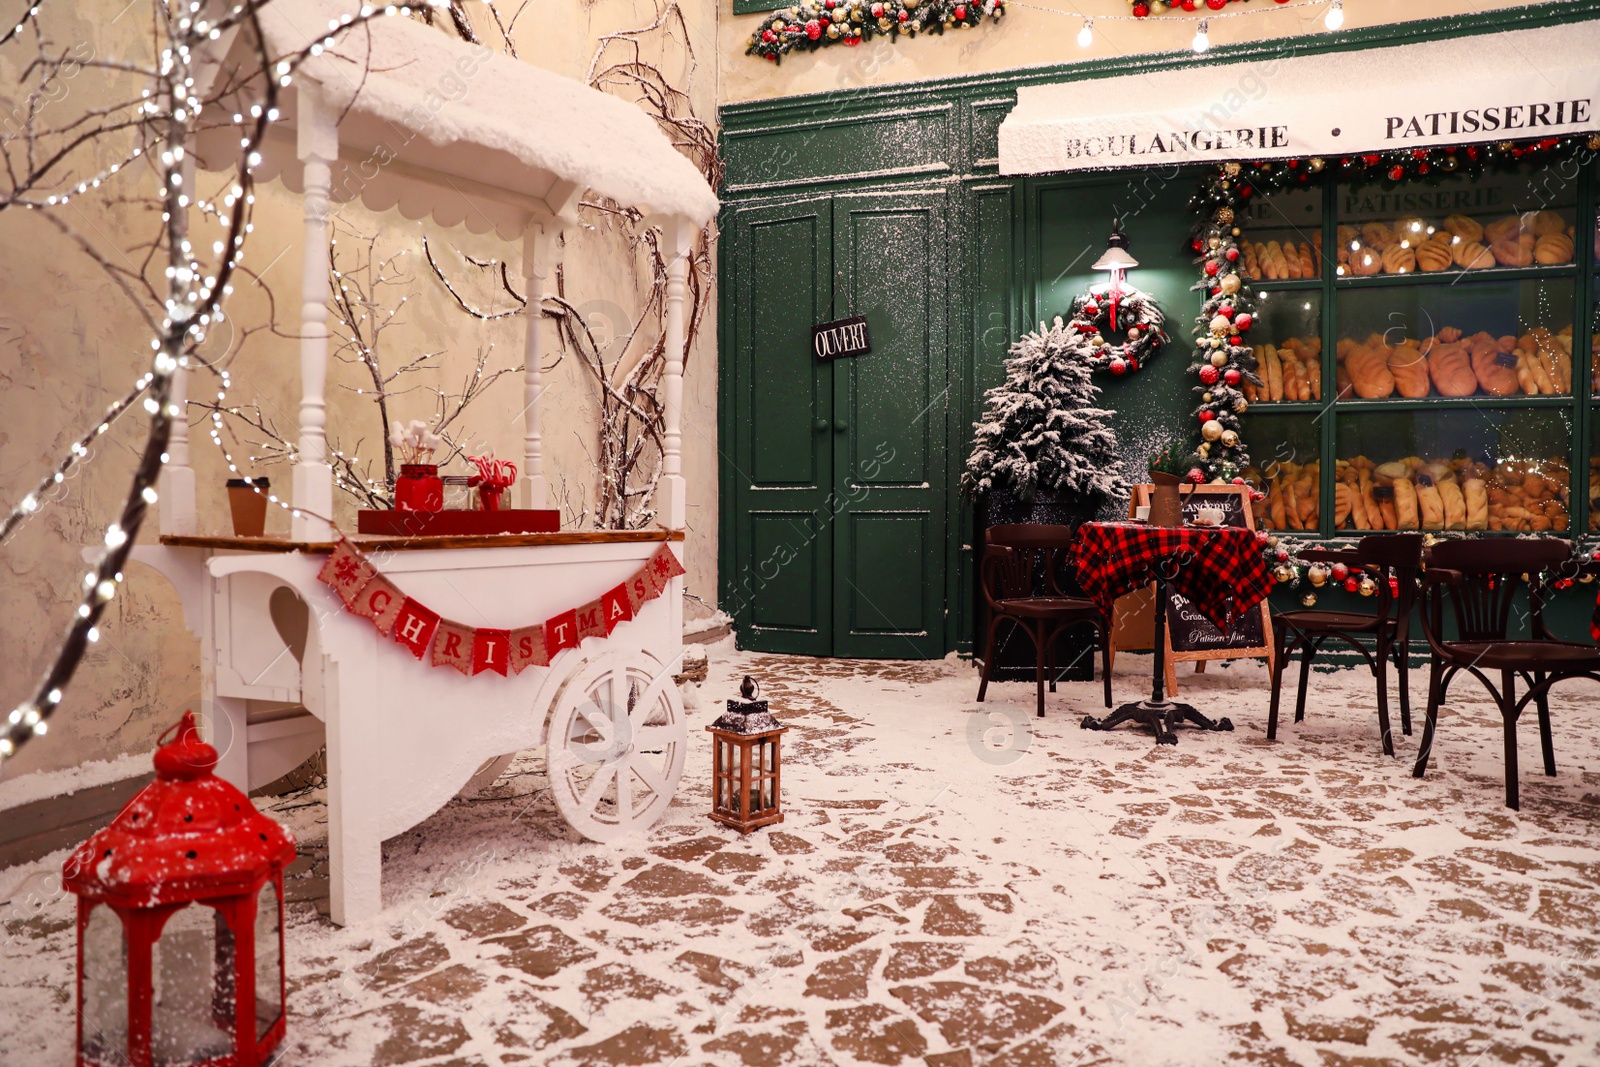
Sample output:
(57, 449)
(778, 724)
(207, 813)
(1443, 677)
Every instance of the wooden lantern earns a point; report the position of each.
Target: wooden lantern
(180, 922)
(746, 768)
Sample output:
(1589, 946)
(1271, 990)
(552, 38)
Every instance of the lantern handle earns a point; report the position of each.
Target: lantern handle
(168, 734)
(749, 688)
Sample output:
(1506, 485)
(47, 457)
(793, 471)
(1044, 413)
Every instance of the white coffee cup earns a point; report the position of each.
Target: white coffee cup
(1209, 516)
(1142, 512)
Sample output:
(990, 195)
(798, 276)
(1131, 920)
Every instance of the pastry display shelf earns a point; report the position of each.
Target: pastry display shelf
(1452, 277)
(1357, 405)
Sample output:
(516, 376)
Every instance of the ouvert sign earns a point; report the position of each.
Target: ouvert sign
(841, 338)
(1518, 84)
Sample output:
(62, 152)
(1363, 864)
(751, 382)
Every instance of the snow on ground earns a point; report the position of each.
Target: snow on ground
(26, 788)
(959, 884)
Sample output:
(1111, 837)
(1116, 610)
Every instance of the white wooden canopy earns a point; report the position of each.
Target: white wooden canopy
(1501, 86)
(399, 115)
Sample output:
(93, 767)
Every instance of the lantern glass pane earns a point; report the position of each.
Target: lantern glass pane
(104, 1021)
(192, 968)
(269, 960)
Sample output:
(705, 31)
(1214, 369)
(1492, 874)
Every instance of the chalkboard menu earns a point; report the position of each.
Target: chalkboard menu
(1190, 631)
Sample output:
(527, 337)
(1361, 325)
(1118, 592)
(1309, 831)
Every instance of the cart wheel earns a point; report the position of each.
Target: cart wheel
(617, 742)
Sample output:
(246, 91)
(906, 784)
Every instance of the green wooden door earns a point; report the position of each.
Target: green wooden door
(837, 470)
(890, 427)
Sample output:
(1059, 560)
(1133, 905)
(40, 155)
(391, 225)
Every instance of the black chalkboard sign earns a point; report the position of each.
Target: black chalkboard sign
(841, 338)
(1190, 631)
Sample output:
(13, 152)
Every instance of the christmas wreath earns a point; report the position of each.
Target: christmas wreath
(812, 24)
(1117, 308)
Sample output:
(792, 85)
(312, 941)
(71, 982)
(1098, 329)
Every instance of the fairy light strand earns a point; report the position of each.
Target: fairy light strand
(193, 300)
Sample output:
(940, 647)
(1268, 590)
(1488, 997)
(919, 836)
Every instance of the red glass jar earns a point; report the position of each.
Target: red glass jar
(419, 488)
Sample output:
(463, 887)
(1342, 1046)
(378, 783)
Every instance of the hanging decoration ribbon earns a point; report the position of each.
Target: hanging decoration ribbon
(472, 650)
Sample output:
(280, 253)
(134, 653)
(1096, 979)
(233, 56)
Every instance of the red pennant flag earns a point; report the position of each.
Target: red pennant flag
(640, 589)
(452, 646)
(347, 571)
(414, 626)
(379, 601)
(615, 608)
(591, 620)
(560, 632)
(491, 651)
(527, 649)
(665, 566)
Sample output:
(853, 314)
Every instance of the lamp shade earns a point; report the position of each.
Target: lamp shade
(1116, 257)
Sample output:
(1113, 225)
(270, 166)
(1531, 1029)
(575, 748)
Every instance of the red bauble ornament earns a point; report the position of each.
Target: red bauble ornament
(1394, 586)
(1244, 192)
(1233, 255)
(813, 29)
(1238, 481)
(1370, 159)
(1206, 414)
(852, 40)
(1140, 10)
(768, 36)
(1212, 266)
(1244, 322)
(1091, 308)
(904, 15)
(960, 12)
(1197, 476)
(1117, 367)
(1188, 5)
(1282, 555)
(1232, 376)
(877, 11)
(1256, 496)
(1226, 311)
(1208, 375)
(1396, 172)
(830, 4)
(1351, 585)
(1340, 572)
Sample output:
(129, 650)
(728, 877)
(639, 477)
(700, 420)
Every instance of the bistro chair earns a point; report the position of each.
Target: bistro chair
(1019, 560)
(1387, 628)
(1483, 579)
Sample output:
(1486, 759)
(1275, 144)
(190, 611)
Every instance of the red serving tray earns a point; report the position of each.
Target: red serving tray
(447, 523)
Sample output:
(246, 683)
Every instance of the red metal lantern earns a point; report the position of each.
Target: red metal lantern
(180, 922)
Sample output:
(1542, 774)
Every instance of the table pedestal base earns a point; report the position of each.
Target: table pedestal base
(1161, 715)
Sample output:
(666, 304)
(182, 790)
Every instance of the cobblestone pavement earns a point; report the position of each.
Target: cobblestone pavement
(959, 884)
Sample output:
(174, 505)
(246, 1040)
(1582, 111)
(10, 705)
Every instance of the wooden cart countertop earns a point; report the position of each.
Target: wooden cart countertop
(391, 544)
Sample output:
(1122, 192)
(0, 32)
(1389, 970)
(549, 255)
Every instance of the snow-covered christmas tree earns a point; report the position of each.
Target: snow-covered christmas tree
(1041, 430)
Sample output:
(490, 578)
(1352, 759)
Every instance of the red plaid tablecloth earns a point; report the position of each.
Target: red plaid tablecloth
(1221, 570)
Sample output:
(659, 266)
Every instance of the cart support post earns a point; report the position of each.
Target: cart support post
(318, 148)
(680, 238)
(535, 269)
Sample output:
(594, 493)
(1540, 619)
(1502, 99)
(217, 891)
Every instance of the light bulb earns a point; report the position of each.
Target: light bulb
(1335, 16)
(1086, 35)
(1201, 42)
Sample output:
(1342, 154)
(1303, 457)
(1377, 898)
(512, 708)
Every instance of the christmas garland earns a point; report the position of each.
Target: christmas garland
(1145, 8)
(812, 24)
(1114, 307)
(474, 650)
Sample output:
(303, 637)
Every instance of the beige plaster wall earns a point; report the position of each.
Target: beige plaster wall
(69, 343)
(1037, 33)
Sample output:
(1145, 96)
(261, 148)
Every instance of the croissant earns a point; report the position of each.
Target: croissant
(1553, 248)
(1342, 497)
(1455, 504)
(1477, 499)
(1309, 262)
(1434, 253)
(1546, 222)
(1451, 370)
(1502, 229)
(1410, 370)
(1399, 259)
(1496, 370)
(1405, 505)
(1463, 227)
(1273, 375)
(1470, 255)
(1513, 251)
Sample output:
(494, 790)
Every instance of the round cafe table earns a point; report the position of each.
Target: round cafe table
(1220, 569)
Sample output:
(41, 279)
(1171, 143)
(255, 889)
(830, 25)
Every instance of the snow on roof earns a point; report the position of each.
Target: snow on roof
(429, 92)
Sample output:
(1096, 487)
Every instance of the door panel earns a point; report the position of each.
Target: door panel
(889, 540)
(780, 591)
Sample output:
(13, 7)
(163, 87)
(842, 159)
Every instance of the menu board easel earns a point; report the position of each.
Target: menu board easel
(1190, 636)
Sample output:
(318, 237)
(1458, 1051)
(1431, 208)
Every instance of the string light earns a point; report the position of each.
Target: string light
(1335, 16)
(1202, 42)
(1086, 35)
(1333, 19)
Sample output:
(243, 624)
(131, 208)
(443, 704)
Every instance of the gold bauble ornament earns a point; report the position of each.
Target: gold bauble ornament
(1318, 574)
(1097, 340)
(1219, 359)
(1585, 578)
(1220, 325)
(1206, 397)
(1211, 430)
(833, 32)
(1215, 242)
(1283, 573)
(1230, 439)
(1204, 449)
(1317, 163)
(1309, 600)
(777, 25)
(1272, 542)
(1231, 169)
(1229, 284)
(1235, 231)
(1241, 406)
(1368, 587)
(1594, 146)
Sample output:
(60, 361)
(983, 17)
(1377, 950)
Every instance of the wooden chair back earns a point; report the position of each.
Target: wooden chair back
(1492, 572)
(1397, 556)
(1024, 559)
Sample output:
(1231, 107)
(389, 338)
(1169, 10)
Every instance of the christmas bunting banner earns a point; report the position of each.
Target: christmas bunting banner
(473, 650)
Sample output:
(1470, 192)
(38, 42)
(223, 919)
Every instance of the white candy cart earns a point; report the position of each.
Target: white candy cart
(407, 118)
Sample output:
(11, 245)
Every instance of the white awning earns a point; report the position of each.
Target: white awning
(434, 126)
(1501, 86)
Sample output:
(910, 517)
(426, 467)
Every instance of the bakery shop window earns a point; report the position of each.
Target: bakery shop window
(1281, 239)
(1500, 337)
(1287, 338)
(1502, 469)
(1286, 464)
(1499, 220)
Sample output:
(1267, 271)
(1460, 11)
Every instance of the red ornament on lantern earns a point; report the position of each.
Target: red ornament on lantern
(180, 922)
